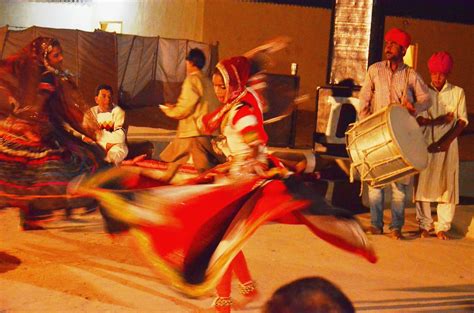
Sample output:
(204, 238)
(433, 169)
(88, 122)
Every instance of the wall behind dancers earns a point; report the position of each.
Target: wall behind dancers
(310, 28)
(241, 25)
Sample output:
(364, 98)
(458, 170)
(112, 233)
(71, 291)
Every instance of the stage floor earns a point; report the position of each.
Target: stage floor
(75, 267)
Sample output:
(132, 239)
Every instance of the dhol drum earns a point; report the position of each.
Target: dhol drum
(386, 146)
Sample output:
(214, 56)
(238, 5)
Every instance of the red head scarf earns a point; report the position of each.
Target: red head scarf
(235, 72)
(440, 62)
(399, 36)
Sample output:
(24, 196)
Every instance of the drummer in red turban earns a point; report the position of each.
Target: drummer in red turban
(399, 37)
(440, 65)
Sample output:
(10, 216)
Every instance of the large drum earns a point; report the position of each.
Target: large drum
(386, 146)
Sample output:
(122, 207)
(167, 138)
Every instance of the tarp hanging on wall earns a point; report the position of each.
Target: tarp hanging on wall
(144, 71)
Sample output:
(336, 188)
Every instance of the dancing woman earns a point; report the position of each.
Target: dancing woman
(39, 107)
(193, 233)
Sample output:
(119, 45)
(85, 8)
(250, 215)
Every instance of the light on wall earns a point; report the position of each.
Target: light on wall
(411, 56)
(111, 26)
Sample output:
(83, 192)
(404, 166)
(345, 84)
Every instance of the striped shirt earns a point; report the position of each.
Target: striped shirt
(383, 87)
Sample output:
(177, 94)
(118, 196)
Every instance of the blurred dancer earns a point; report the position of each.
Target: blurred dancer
(38, 155)
(193, 234)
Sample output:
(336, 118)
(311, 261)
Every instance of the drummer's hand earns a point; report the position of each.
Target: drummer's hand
(108, 146)
(422, 121)
(441, 146)
(410, 107)
(448, 118)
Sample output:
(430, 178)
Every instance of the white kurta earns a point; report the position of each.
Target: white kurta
(112, 131)
(439, 182)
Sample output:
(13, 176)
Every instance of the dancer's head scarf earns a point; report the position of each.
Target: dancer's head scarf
(235, 72)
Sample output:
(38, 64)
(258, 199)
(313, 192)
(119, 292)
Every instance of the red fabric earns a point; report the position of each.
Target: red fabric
(236, 73)
(440, 62)
(399, 36)
(240, 268)
(212, 121)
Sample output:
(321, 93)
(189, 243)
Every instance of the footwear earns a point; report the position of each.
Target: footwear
(396, 234)
(442, 235)
(424, 233)
(249, 292)
(222, 304)
(374, 231)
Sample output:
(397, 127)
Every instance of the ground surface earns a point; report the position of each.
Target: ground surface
(75, 267)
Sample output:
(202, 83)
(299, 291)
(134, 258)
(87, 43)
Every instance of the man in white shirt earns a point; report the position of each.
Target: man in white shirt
(111, 118)
(442, 124)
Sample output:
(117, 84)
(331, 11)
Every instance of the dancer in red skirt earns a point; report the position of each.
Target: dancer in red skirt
(193, 233)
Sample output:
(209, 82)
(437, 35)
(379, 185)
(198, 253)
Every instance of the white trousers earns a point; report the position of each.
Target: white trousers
(445, 212)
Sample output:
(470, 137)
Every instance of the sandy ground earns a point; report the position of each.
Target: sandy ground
(73, 266)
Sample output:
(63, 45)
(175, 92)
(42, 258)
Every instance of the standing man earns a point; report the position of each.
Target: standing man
(442, 124)
(197, 98)
(111, 118)
(387, 82)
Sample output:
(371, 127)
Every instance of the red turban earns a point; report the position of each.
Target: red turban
(399, 36)
(440, 62)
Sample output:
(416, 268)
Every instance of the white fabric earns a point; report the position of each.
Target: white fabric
(114, 134)
(439, 182)
(445, 212)
(235, 141)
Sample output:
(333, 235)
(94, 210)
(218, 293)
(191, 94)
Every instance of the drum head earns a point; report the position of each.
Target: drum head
(408, 135)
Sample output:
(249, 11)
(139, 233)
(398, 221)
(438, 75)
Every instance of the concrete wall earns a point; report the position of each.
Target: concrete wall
(166, 18)
(240, 26)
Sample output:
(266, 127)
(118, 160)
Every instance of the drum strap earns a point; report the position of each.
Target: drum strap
(407, 81)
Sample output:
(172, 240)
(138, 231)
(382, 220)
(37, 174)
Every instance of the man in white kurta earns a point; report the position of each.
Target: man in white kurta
(111, 119)
(442, 124)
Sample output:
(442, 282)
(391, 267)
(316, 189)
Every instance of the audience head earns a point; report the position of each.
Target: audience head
(309, 295)
(197, 58)
(103, 97)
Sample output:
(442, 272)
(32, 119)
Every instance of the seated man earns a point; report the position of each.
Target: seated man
(110, 118)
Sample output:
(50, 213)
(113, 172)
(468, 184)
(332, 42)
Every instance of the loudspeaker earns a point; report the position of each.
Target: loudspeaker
(280, 93)
(336, 109)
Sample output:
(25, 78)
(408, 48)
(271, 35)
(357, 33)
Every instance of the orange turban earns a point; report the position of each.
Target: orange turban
(399, 36)
(440, 62)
